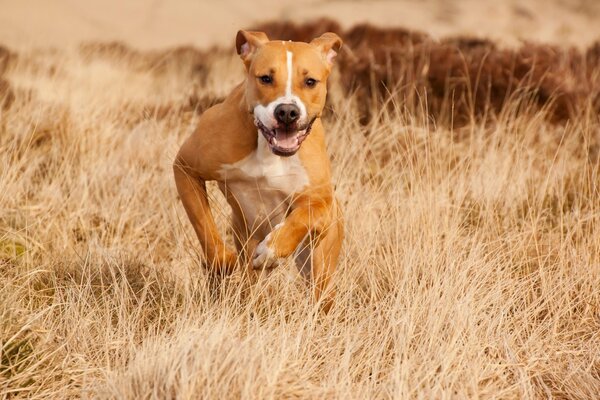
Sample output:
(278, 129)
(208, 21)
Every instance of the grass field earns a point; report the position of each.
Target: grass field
(471, 266)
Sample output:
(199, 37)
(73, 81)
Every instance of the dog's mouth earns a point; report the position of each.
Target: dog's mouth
(283, 141)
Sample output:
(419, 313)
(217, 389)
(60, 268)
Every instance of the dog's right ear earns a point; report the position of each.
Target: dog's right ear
(329, 44)
(246, 44)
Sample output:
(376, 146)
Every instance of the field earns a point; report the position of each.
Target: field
(471, 266)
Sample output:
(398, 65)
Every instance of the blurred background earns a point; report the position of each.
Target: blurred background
(159, 23)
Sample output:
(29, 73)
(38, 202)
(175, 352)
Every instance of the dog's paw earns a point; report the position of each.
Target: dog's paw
(264, 255)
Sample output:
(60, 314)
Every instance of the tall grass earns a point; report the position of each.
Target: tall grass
(471, 266)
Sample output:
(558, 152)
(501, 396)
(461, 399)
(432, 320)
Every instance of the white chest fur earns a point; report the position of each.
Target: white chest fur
(262, 184)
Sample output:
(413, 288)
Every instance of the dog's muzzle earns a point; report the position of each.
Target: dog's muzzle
(283, 141)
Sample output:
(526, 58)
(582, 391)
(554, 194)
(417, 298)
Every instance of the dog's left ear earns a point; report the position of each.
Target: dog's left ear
(246, 44)
(329, 43)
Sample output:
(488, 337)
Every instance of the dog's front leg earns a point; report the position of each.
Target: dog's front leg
(283, 240)
(192, 191)
(324, 223)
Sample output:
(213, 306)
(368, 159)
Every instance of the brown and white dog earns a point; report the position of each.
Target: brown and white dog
(265, 147)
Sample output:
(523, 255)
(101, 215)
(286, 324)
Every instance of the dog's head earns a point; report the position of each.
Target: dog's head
(286, 85)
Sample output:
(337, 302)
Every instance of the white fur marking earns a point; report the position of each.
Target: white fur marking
(286, 174)
(263, 184)
(288, 85)
(264, 255)
(266, 113)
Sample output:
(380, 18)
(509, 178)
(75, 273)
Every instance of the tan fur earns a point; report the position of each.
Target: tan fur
(226, 135)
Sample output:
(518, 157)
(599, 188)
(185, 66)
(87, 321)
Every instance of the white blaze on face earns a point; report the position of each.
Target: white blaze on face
(288, 85)
(266, 113)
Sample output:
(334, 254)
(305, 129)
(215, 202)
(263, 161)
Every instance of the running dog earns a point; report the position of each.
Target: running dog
(265, 147)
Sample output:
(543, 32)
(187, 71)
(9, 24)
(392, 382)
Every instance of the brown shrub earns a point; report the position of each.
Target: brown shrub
(462, 78)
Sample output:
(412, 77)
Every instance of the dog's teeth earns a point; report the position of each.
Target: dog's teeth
(274, 141)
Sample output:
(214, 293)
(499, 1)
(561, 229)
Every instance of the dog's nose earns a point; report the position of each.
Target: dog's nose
(287, 113)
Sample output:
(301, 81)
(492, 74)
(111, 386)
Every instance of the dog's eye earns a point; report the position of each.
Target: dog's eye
(266, 79)
(310, 82)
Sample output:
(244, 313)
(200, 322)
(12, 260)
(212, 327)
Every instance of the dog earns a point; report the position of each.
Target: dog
(265, 147)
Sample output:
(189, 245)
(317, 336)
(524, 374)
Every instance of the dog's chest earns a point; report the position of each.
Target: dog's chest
(262, 184)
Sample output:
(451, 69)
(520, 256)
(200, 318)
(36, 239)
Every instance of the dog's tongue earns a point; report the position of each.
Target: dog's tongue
(286, 139)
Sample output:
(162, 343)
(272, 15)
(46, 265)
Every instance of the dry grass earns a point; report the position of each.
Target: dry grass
(471, 266)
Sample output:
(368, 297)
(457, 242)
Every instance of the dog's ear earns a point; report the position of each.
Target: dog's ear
(246, 44)
(329, 44)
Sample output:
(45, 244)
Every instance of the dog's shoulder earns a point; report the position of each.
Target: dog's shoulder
(222, 135)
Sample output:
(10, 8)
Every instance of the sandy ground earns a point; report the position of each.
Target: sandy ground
(160, 23)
